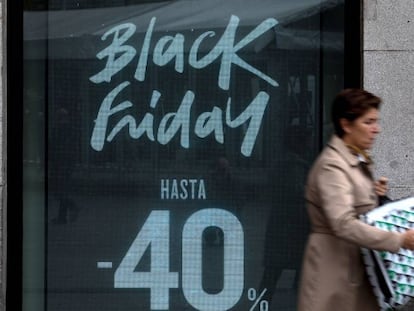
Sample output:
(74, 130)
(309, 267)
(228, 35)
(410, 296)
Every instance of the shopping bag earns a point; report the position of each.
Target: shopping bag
(392, 274)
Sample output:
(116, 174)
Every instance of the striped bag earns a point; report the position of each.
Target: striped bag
(392, 275)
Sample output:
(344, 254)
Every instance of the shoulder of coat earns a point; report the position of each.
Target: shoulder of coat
(338, 149)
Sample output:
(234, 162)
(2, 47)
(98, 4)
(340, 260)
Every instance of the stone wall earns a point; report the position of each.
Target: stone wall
(388, 56)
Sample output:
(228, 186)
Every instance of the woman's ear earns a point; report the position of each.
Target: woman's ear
(346, 125)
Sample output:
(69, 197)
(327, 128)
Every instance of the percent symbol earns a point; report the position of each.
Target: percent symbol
(252, 296)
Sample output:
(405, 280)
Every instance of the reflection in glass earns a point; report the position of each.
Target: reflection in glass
(178, 106)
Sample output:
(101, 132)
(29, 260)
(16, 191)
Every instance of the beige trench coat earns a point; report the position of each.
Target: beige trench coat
(333, 275)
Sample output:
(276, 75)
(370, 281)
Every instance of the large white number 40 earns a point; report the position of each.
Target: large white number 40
(156, 233)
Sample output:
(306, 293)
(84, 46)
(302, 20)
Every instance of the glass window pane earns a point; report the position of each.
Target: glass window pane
(166, 144)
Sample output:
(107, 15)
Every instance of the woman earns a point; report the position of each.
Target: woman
(339, 188)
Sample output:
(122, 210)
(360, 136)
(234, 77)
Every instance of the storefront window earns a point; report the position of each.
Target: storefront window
(165, 149)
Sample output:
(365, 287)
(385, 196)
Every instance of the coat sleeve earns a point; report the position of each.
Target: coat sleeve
(337, 202)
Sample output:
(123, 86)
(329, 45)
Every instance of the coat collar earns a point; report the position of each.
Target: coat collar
(338, 144)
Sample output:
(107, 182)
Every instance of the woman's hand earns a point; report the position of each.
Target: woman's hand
(381, 186)
(408, 239)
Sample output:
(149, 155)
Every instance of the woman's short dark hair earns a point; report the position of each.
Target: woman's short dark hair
(351, 104)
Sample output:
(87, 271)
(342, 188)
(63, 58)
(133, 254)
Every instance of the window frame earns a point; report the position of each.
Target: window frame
(12, 203)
